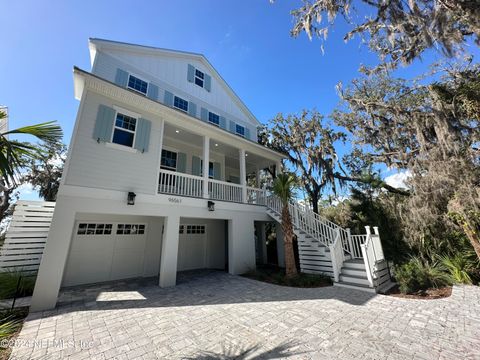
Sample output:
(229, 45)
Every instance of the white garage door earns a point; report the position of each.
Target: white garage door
(105, 251)
(192, 247)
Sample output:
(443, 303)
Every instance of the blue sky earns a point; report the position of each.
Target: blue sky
(247, 41)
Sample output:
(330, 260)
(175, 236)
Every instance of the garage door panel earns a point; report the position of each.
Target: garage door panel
(102, 252)
(83, 269)
(192, 248)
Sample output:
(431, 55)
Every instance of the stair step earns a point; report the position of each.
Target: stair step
(354, 264)
(354, 286)
(359, 280)
(353, 272)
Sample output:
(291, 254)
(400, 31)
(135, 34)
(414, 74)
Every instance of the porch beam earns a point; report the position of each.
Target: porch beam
(206, 161)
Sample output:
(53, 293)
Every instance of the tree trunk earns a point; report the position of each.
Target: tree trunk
(473, 237)
(314, 198)
(287, 227)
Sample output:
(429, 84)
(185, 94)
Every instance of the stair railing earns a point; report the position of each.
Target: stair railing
(337, 256)
(372, 254)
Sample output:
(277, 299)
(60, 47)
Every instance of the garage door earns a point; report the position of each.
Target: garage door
(105, 251)
(192, 247)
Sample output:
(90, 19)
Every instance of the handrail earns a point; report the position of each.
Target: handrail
(337, 256)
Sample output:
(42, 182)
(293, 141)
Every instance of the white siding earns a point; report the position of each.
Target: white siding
(97, 165)
(170, 73)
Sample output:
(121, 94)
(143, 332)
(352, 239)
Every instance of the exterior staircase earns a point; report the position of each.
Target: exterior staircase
(353, 261)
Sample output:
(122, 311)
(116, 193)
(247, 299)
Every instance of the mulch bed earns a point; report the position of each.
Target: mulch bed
(276, 275)
(429, 294)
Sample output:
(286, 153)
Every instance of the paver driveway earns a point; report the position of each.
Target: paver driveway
(216, 315)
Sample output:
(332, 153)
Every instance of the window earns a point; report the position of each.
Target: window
(94, 229)
(169, 160)
(195, 229)
(180, 103)
(124, 130)
(240, 130)
(180, 230)
(210, 169)
(199, 77)
(137, 84)
(130, 229)
(213, 118)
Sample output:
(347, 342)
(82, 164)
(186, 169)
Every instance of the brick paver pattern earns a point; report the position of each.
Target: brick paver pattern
(219, 316)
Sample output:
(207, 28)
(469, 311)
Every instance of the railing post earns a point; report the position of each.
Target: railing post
(206, 161)
(379, 246)
(350, 245)
(243, 174)
(367, 228)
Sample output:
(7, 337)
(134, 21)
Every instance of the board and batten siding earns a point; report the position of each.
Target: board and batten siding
(170, 74)
(97, 165)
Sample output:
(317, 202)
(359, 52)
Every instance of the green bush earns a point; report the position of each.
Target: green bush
(460, 267)
(417, 275)
(9, 281)
(8, 326)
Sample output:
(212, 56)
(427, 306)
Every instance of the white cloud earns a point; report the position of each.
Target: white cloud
(399, 179)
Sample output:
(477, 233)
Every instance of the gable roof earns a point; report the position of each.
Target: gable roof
(99, 44)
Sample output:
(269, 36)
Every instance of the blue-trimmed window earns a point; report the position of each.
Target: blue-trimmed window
(240, 130)
(180, 103)
(213, 118)
(124, 130)
(169, 160)
(199, 78)
(137, 84)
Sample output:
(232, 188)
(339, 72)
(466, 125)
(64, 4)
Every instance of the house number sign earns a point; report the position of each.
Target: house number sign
(175, 200)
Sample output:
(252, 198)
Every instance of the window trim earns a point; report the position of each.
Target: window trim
(202, 79)
(211, 122)
(236, 130)
(115, 126)
(139, 78)
(166, 167)
(176, 107)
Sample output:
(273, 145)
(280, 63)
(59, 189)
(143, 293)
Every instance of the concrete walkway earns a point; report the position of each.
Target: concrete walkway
(219, 316)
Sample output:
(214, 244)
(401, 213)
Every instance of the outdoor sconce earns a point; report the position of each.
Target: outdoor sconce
(211, 206)
(131, 198)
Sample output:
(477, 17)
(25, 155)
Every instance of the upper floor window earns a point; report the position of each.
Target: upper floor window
(137, 84)
(124, 130)
(169, 160)
(180, 103)
(199, 78)
(213, 118)
(240, 130)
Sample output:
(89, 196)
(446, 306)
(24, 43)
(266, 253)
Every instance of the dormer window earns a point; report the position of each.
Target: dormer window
(240, 130)
(137, 84)
(180, 103)
(213, 119)
(199, 78)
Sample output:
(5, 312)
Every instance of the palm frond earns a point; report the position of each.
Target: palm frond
(46, 131)
(284, 186)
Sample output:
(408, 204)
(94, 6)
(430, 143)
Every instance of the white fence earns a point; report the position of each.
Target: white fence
(26, 236)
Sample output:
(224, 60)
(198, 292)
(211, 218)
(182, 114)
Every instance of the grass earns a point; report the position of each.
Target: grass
(9, 281)
(10, 325)
(276, 275)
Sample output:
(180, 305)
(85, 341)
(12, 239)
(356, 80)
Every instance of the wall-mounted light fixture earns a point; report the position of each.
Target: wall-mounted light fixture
(211, 206)
(131, 198)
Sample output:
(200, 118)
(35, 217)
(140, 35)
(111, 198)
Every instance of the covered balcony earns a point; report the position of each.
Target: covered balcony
(201, 166)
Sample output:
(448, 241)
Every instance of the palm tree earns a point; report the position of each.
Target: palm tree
(14, 155)
(283, 187)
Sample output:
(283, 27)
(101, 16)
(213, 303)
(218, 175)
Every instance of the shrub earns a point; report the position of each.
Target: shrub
(417, 275)
(10, 281)
(459, 267)
(8, 326)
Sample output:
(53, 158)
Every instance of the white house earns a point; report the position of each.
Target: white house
(156, 182)
(163, 127)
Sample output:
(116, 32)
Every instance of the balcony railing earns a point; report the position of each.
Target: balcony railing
(175, 183)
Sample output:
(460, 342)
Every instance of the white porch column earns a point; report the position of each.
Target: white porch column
(257, 177)
(206, 161)
(278, 167)
(168, 257)
(243, 174)
(160, 146)
(241, 245)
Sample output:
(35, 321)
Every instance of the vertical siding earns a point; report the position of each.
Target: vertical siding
(170, 73)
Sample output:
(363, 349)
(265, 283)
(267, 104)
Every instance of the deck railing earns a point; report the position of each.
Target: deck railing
(171, 182)
(220, 190)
